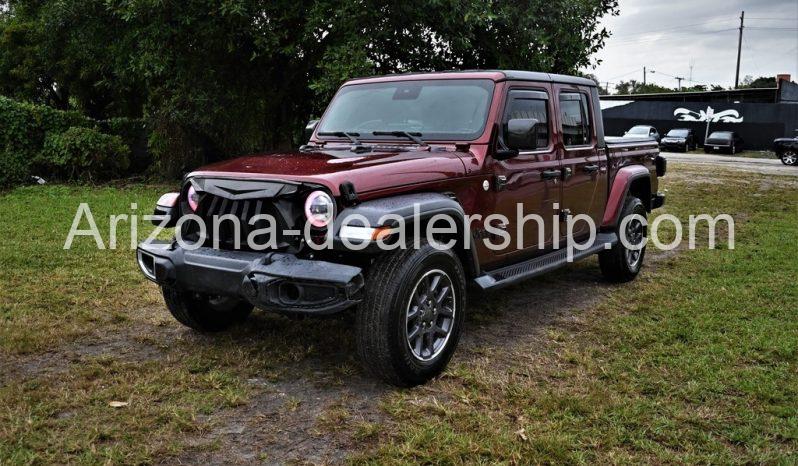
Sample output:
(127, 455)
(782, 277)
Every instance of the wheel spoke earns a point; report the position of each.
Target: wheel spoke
(434, 282)
(438, 330)
(445, 311)
(414, 333)
(429, 340)
(442, 295)
(414, 313)
(418, 343)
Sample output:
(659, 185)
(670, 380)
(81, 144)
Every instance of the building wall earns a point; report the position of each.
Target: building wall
(757, 123)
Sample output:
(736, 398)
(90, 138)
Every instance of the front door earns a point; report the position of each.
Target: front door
(520, 182)
(584, 169)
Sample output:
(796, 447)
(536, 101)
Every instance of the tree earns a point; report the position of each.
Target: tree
(219, 78)
(761, 82)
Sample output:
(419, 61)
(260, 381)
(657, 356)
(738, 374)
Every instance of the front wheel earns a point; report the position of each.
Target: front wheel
(409, 323)
(622, 263)
(789, 158)
(203, 312)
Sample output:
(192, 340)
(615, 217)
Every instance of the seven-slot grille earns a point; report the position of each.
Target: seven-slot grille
(211, 205)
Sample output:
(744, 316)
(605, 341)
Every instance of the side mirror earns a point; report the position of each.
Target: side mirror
(522, 134)
(309, 128)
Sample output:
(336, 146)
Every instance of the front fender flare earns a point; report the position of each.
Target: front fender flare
(408, 206)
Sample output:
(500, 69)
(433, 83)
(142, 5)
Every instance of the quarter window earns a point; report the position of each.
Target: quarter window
(575, 119)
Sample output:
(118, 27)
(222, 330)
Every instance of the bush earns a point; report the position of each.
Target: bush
(40, 140)
(23, 129)
(83, 154)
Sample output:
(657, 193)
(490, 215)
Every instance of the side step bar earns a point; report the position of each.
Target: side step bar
(539, 265)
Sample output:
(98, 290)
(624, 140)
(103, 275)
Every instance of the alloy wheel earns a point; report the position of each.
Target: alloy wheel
(789, 158)
(430, 315)
(635, 234)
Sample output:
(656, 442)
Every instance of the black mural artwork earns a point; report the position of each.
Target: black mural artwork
(757, 123)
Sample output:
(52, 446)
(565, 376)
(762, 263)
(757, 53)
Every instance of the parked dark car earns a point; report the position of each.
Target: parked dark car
(642, 131)
(786, 149)
(679, 139)
(723, 141)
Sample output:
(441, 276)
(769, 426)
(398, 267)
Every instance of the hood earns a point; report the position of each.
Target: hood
(367, 171)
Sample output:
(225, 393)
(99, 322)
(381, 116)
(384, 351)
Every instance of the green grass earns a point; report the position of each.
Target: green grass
(693, 362)
(49, 294)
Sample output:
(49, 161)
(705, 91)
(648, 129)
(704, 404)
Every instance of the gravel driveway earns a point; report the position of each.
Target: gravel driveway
(748, 164)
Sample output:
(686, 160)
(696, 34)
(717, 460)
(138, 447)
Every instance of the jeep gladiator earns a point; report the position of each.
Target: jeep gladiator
(404, 151)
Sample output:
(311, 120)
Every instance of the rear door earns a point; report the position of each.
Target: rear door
(584, 169)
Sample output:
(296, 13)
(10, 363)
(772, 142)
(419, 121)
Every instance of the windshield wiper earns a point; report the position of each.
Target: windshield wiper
(415, 137)
(342, 134)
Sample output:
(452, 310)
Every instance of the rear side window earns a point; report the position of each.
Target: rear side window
(530, 105)
(575, 118)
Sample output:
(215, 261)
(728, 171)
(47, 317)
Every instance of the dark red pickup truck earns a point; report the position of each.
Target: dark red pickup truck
(412, 190)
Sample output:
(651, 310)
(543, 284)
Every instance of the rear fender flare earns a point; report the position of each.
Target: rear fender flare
(621, 185)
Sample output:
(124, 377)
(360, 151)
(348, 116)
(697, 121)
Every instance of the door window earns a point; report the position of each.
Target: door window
(528, 105)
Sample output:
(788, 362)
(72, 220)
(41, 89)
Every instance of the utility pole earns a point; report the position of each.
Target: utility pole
(680, 83)
(739, 50)
(644, 75)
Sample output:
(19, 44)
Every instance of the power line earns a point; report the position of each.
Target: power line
(684, 26)
(611, 43)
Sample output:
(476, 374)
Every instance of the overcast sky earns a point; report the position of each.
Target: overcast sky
(667, 36)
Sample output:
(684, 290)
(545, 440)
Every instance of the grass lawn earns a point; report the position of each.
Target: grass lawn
(693, 362)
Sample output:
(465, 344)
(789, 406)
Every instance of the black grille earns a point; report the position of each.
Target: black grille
(212, 206)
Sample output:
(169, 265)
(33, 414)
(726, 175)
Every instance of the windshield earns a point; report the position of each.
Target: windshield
(639, 130)
(677, 133)
(433, 109)
(720, 135)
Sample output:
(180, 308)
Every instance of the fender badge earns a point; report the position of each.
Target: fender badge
(486, 185)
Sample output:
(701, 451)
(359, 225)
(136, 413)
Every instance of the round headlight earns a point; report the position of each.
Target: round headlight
(193, 198)
(319, 208)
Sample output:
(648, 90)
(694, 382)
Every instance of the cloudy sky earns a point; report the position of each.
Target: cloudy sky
(669, 36)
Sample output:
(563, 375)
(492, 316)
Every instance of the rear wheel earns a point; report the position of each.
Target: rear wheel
(622, 263)
(409, 324)
(789, 157)
(203, 312)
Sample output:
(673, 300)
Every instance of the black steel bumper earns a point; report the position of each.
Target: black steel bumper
(272, 281)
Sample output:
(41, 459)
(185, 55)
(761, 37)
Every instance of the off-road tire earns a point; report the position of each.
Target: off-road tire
(201, 312)
(381, 319)
(615, 264)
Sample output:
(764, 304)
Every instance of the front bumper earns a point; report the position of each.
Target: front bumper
(675, 145)
(273, 281)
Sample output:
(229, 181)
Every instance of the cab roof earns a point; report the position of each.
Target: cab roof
(495, 75)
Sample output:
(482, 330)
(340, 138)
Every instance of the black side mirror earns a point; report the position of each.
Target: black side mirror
(522, 134)
(309, 128)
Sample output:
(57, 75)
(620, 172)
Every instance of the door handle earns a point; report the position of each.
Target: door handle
(591, 168)
(551, 174)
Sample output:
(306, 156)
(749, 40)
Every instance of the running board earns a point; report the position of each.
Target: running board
(540, 265)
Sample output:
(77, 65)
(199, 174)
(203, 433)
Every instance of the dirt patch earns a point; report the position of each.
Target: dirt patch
(317, 417)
